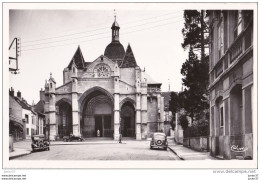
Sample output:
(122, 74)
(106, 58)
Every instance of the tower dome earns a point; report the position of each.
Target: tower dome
(115, 50)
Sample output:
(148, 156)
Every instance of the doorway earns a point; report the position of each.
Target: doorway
(98, 125)
(127, 127)
(103, 124)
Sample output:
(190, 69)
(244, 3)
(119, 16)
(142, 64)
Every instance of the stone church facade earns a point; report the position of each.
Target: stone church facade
(110, 94)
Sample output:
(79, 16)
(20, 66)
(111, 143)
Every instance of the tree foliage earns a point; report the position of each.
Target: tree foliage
(194, 98)
(194, 28)
(183, 121)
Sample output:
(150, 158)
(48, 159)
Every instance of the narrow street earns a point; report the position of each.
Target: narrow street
(101, 150)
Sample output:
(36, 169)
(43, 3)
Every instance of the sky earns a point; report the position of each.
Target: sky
(49, 39)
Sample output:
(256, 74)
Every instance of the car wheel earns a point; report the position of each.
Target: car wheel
(48, 149)
(151, 147)
(165, 148)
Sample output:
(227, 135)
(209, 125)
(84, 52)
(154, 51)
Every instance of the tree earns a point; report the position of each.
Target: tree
(195, 28)
(174, 107)
(183, 121)
(174, 103)
(195, 70)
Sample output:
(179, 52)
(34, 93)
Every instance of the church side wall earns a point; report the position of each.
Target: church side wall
(152, 113)
(127, 75)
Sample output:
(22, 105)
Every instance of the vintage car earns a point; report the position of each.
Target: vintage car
(40, 142)
(159, 140)
(72, 138)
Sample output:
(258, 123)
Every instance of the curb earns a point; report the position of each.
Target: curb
(176, 154)
(19, 155)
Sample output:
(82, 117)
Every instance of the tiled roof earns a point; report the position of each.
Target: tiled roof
(23, 104)
(39, 107)
(129, 59)
(149, 80)
(78, 59)
(87, 63)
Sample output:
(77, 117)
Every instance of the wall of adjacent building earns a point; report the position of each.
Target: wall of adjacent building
(231, 86)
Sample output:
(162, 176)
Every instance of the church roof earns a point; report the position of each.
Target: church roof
(115, 24)
(115, 51)
(23, 103)
(129, 59)
(78, 59)
(39, 107)
(149, 80)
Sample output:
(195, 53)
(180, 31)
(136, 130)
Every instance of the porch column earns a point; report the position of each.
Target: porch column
(75, 108)
(116, 117)
(138, 117)
(52, 118)
(116, 103)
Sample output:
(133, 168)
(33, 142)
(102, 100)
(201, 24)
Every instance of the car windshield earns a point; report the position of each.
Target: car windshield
(159, 135)
(36, 138)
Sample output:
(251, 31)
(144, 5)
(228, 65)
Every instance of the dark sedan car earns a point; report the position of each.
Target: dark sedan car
(72, 138)
(40, 142)
(159, 140)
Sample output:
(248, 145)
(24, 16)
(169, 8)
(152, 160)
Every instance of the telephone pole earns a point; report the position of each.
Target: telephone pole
(16, 46)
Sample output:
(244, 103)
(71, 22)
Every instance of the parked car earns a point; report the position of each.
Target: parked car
(40, 142)
(159, 140)
(72, 138)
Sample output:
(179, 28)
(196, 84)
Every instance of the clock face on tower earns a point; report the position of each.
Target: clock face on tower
(102, 70)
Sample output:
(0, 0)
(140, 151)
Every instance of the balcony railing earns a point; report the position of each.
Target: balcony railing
(153, 90)
(236, 50)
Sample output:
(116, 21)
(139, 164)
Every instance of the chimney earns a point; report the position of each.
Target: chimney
(42, 95)
(11, 92)
(19, 94)
(33, 106)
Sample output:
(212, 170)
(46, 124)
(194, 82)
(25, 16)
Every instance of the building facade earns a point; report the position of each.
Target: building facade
(16, 123)
(22, 119)
(231, 83)
(111, 95)
(39, 110)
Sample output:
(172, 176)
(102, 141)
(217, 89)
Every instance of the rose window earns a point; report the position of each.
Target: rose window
(103, 70)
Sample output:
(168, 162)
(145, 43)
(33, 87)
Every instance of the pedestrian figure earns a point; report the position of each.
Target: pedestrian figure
(98, 133)
(120, 135)
(71, 134)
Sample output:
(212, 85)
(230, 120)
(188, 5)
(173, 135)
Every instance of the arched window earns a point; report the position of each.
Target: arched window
(73, 69)
(51, 85)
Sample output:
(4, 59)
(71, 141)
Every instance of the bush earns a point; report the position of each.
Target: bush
(183, 122)
(198, 128)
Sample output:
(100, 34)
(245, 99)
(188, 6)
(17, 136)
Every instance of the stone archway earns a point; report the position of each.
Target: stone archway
(64, 118)
(127, 124)
(97, 113)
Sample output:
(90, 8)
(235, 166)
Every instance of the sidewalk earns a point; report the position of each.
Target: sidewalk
(185, 153)
(21, 148)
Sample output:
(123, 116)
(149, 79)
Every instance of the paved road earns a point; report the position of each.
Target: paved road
(105, 150)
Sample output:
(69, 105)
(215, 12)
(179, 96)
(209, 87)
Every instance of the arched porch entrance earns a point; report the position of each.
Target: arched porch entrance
(127, 124)
(17, 130)
(64, 118)
(97, 114)
(236, 110)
